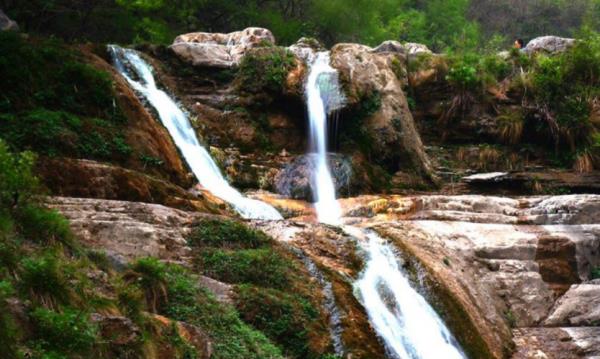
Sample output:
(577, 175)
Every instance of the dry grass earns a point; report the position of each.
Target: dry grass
(511, 126)
(584, 162)
(489, 158)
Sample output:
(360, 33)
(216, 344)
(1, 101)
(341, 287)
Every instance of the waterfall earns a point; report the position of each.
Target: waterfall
(408, 325)
(323, 95)
(139, 75)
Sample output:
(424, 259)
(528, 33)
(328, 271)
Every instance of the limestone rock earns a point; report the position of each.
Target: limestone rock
(580, 306)
(549, 44)
(129, 230)
(413, 48)
(6, 24)
(219, 50)
(370, 75)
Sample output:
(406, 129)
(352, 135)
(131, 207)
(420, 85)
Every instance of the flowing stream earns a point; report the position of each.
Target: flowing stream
(139, 75)
(408, 325)
(322, 92)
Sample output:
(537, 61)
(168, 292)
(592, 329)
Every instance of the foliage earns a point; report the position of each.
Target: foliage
(55, 104)
(262, 267)
(66, 332)
(595, 273)
(149, 275)
(17, 183)
(43, 279)
(285, 318)
(231, 337)
(227, 234)
(265, 70)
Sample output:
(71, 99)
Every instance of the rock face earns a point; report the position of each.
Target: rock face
(549, 44)
(390, 127)
(219, 50)
(6, 24)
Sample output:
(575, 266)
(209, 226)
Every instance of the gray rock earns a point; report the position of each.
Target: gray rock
(549, 44)
(580, 306)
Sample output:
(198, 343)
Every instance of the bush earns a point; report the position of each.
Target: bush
(285, 318)
(595, 273)
(226, 234)
(149, 274)
(43, 279)
(68, 332)
(17, 182)
(8, 331)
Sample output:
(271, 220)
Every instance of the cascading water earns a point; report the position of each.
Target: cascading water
(409, 326)
(322, 94)
(139, 75)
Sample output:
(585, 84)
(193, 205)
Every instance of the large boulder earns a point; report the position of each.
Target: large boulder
(219, 50)
(6, 24)
(296, 180)
(549, 44)
(378, 77)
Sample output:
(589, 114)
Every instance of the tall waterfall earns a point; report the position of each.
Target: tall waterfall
(322, 92)
(139, 75)
(409, 326)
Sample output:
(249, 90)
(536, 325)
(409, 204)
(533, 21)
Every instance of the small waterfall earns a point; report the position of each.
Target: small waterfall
(139, 75)
(408, 325)
(323, 96)
(335, 317)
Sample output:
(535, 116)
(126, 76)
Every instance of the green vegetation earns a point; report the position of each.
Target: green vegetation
(44, 271)
(595, 273)
(440, 24)
(273, 293)
(53, 103)
(265, 69)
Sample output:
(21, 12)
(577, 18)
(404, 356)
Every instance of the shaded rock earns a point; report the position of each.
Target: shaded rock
(296, 179)
(89, 179)
(223, 292)
(306, 48)
(549, 44)
(120, 332)
(391, 129)
(219, 50)
(580, 306)
(6, 24)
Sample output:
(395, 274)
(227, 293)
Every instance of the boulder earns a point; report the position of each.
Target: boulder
(305, 49)
(6, 24)
(219, 50)
(390, 46)
(295, 181)
(548, 44)
(373, 76)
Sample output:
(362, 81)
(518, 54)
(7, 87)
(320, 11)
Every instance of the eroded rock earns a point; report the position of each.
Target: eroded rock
(6, 24)
(549, 44)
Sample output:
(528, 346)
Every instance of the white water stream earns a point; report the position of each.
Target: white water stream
(408, 325)
(321, 92)
(139, 75)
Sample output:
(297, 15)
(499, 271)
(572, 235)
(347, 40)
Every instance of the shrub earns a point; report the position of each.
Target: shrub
(511, 124)
(283, 317)
(17, 182)
(69, 332)
(43, 225)
(226, 234)
(44, 279)
(149, 274)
